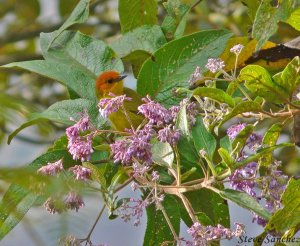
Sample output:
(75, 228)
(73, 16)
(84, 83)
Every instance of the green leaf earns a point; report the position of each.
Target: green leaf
(62, 112)
(240, 108)
(215, 94)
(225, 144)
(187, 152)
(259, 82)
(135, 13)
(226, 158)
(79, 15)
(252, 6)
(267, 17)
(261, 153)
(157, 230)
(182, 122)
(98, 173)
(71, 77)
(176, 61)
(138, 45)
(270, 138)
(174, 23)
(294, 18)
(289, 78)
(241, 139)
(17, 200)
(163, 154)
(75, 60)
(145, 38)
(287, 218)
(214, 207)
(84, 53)
(203, 139)
(246, 201)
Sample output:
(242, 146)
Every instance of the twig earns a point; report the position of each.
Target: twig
(195, 4)
(169, 222)
(87, 239)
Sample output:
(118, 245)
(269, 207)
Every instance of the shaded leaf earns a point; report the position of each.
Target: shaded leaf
(176, 61)
(157, 230)
(203, 139)
(136, 13)
(214, 207)
(138, 45)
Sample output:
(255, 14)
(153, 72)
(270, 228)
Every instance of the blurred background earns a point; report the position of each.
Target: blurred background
(21, 93)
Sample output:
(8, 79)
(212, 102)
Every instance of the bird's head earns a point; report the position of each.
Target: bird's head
(110, 81)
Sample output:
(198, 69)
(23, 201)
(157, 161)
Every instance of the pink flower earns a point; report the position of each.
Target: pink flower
(51, 169)
(81, 173)
(110, 105)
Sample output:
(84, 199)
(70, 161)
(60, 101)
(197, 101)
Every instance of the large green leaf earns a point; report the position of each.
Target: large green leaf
(287, 219)
(145, 38)
(157, 230)
(176, 61)
(267, 17)
(246, 201)
(79, 15)
(138, 45)
(203, 139)
(18, 200)
(259, 82)
(89, 55)
(135, 13)
(74, 60)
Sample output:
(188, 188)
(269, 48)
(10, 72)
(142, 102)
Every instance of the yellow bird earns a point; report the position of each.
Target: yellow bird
(112, 82)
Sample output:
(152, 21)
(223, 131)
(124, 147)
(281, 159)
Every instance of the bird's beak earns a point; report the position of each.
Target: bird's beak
(121, 77)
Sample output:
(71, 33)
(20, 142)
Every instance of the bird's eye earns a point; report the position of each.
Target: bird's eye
(110, 81)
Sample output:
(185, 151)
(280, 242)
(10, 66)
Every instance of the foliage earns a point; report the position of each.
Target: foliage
(195, 84)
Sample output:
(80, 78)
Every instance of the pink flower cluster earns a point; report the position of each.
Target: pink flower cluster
(80, 147)
(73, 201)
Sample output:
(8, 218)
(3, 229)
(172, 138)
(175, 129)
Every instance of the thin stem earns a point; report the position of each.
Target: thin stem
(188, 207)
(128, 118)
(235, 65)
(169, 222)
(178, 166)
(87, 239)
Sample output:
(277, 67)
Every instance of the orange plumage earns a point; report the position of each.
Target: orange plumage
(112, 81)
